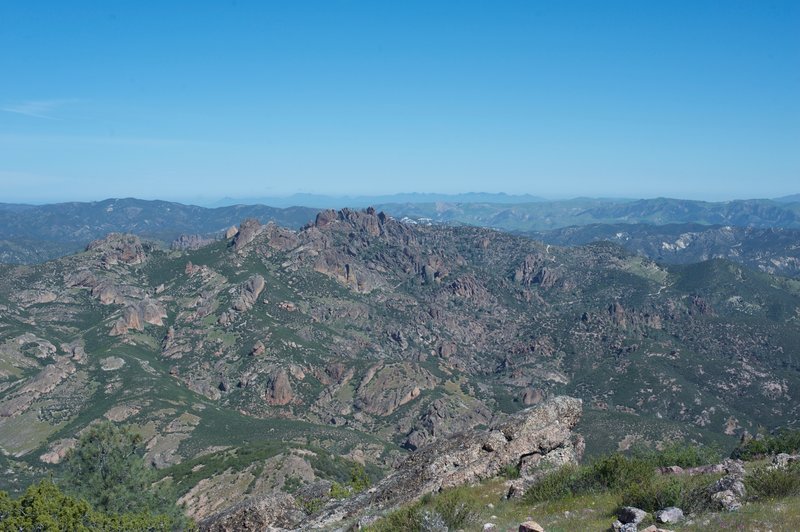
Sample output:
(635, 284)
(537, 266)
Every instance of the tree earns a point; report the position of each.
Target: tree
(107, 469)
(46, 508)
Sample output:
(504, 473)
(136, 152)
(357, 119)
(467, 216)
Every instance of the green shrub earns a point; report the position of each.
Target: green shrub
(106, 469)
(617, 471)
(339, 491)
(408, 518)
(510, 471)
(312, 505)
(680, 454)
(559, 484)
(783, 441)
(359, 480)
(764, 483)
(457, 508)
(690, 493)
(45, 507)
(453, 509)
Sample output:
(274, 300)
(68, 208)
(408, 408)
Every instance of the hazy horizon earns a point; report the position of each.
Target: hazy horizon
(286, 200)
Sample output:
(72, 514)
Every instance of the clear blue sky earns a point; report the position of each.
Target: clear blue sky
(182, 100)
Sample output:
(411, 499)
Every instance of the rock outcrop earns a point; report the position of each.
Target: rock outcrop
(244, 300)
(116, 248)
(464, 458)
(729, 491)
(185, 242)
(248, 294)
(136, 314)
(248, 231)
(279, 389)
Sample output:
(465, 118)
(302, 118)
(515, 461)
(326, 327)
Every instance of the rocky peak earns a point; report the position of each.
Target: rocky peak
(117, 247)
(185, 242)
(279, 389)
(248, 230)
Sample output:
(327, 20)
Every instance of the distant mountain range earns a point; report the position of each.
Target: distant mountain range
(322, 201)
(581, 211)
(772, 249)
(37, 233)
(30, 234)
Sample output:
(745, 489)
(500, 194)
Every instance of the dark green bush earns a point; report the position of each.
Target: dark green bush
(106, 469)
(510, 471)
(457, 508)
(690, 493)
(783, 441)
(559, 484)
(408, 519)
(634, 475)
(45, 507)
(681, 454)
(617, 471)
(764, 483)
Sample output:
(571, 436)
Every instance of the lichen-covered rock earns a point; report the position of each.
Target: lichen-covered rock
(277, 510)
(530, 526)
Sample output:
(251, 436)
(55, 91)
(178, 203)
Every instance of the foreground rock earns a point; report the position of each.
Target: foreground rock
(540, 432)
(668, 515)
(729, 491)
(530, 526)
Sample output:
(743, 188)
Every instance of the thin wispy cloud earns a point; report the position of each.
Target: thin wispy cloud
(37, 108)
(103, 139)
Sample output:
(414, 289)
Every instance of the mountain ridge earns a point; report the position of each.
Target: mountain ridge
(362, 336)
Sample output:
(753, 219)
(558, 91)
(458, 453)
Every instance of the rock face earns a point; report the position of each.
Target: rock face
(248, 231)
(42, 383)
(729, 491)
(462, 459)
(384, 390)
(185, 242)
(278, 510)
(445, 417)
(248, 294)
(137, 314)
(279, 390)
(116, 248)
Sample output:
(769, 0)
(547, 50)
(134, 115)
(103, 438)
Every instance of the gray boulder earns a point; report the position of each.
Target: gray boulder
(671, 514)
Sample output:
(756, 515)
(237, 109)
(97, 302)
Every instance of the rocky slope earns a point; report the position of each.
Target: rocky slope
(534, 440)
(772, 250)
(359, 338)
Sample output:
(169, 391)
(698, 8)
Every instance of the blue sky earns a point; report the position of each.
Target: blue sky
(193, 100)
